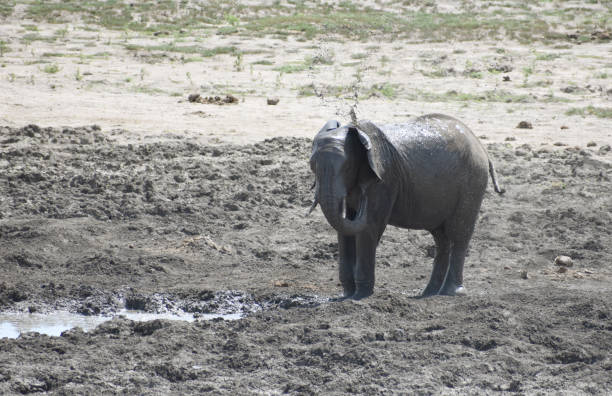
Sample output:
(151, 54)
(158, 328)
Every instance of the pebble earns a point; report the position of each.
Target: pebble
(564, 261)
(524, 274)
(273, 101)
(524, 125)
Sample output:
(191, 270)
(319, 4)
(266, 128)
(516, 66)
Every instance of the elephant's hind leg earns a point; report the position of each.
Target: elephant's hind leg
(441, 262)
(453, 283)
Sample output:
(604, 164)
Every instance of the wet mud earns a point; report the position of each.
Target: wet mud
(92, 227)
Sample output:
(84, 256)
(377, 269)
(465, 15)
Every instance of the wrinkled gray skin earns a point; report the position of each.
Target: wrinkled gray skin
(429, 174)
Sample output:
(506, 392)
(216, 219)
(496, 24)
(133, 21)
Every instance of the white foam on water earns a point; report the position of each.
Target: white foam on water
(54, 323)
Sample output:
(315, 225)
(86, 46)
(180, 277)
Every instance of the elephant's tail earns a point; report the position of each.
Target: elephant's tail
(493, 174)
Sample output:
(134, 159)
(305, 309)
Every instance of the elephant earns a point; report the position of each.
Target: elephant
(430, 173)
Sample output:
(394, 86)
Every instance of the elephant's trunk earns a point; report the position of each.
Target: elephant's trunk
(333, 204)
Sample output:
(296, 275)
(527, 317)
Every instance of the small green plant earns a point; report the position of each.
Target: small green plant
(51, 69)
(387, 90)
(232, 19)
(238, 61)
(527, 71)
(360, 55)
(12, 77)
(263, 62)
(384, 60)
(61, 33)
(188, 75)
(547, 57)
(279, 81)
(78, 76)
(3, 48)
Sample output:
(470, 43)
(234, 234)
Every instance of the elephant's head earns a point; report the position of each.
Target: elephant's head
(345, 163)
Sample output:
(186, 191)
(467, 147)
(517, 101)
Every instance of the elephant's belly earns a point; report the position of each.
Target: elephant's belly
(425, 215)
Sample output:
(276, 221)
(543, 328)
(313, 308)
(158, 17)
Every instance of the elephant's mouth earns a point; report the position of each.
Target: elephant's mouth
(350, 214)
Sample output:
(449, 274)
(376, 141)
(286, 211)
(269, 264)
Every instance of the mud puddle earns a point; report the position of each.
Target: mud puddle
(12, 325)
(225, 305)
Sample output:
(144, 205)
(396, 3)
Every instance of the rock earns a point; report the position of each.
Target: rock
(562, 270)
(273, 101)
(604, 149)
(194, 97)
(572, 89)
(506, 78)
(510, 139)
(197, 98)
(281, 283)
(564, 261)
(564, 127)
(591, 144)
(524, 274)
(524, 125)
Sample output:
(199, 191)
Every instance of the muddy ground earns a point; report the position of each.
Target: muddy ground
(89, 224)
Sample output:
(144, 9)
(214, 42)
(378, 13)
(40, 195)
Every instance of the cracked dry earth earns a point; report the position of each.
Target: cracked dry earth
(88, 223)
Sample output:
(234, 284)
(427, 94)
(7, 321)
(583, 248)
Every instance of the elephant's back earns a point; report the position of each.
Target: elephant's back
(433, 134)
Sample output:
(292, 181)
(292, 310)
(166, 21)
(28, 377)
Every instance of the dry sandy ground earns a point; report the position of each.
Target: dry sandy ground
(164, 205)
(101, 81)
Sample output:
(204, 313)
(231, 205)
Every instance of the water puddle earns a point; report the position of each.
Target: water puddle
(56, 322)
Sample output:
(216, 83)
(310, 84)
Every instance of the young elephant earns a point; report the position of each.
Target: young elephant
(429, 174)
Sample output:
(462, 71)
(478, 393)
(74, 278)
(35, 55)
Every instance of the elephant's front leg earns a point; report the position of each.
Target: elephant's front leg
(346, 260)
(365, 264)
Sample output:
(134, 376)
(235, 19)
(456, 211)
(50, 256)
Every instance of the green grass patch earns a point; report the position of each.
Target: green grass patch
(456, 96)
(263, 62)
(30, 37)
(292, 68)
(30, 28)
(308, 63)
(350, 64)
(389, 91)
(360, 55)
(386, 90)
(600, 112)
(192, 59)
(53, 55)
(547, 57)
(435, 73)
(6, 8)
(225, 30)
(183, 49)
(309, 19)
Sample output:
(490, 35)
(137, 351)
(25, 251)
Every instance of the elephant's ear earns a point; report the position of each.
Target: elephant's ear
(371, 137)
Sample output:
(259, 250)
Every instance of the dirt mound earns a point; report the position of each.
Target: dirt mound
(88, 225)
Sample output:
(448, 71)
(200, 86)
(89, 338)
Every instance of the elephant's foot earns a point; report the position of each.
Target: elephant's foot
(430, 290)
(349, 290)
(339, 298)
(363, 290)
(452, 290)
